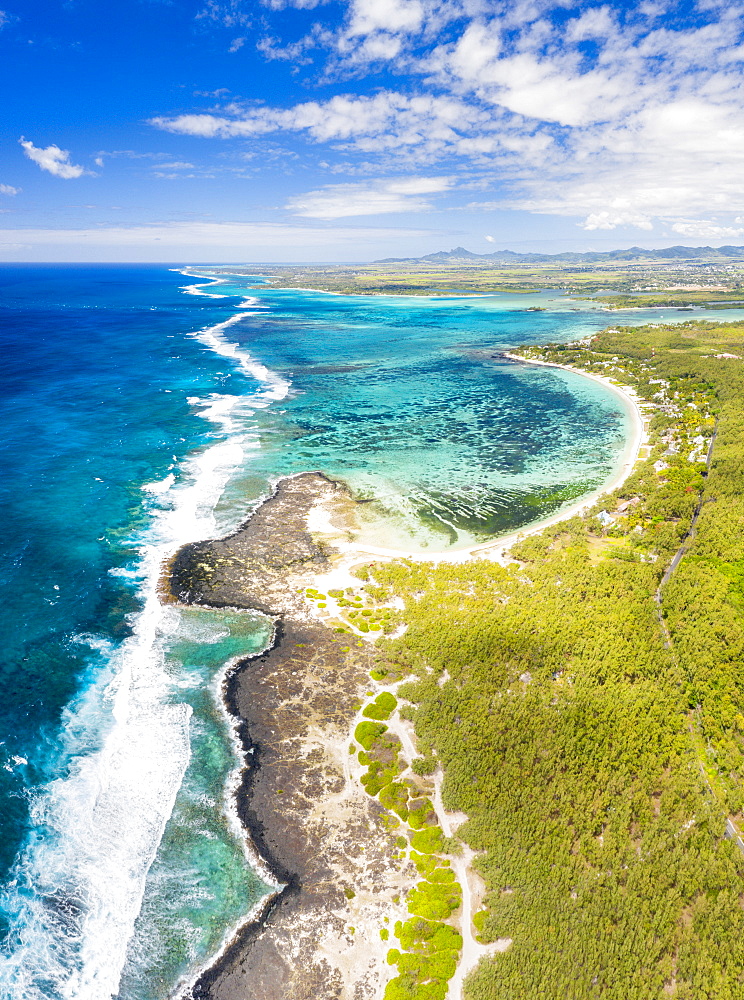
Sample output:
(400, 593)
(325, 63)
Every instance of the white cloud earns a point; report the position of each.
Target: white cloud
(176, 165)
(228, 13)
(491, 239)
(54, 160)
(618, 115)
(613, 219)
(707, 230)
(9, 189)
(390, 16)
(475, 51)
(301, 4)
(594, 23)
(387, 120)
(338, 201)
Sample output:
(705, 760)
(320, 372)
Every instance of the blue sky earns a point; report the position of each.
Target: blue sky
(301, 130)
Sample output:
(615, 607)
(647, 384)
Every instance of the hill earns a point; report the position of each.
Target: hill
(506, 257)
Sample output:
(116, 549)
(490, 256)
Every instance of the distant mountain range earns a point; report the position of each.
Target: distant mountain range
(461, 255)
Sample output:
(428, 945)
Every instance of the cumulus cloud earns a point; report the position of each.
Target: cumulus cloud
(617, 115)
(338, 201)
(54, 160)
(390, 16)
(388, 120)
(9, 189)
(706, 229)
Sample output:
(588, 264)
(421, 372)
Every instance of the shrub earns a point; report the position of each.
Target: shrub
(424, 765)
(434, 900)
(382, 707)
(367, 732)
(394, 796)
(427, 841)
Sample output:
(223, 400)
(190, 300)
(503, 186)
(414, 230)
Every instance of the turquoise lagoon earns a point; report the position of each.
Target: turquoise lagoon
(149, 406)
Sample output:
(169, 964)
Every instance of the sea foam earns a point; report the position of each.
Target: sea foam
(78, 886)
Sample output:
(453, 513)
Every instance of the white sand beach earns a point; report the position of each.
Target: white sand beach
(354, 553)
(326, 521)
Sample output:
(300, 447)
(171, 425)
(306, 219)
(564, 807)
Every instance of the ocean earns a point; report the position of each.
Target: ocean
(148, 406)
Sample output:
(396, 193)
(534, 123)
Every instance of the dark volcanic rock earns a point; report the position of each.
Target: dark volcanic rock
(322, 836)
(249, 568)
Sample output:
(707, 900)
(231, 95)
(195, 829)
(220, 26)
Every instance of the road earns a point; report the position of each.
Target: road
(732, 830)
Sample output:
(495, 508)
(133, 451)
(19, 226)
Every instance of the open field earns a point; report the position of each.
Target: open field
(639, 284)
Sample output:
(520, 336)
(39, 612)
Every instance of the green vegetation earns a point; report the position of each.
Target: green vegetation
(685, 284)
(382, 707)
(352, 614)
(428, 961)
(594, 739)
(429, 947)
(367, 732)
(710, 297)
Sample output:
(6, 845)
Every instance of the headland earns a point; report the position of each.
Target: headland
(328, 844)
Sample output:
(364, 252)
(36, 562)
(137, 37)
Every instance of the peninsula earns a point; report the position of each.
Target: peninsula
(517, 768)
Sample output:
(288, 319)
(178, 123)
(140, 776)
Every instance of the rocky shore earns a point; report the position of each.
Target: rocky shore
(323, 837)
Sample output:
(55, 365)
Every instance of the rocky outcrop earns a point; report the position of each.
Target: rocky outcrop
(325, 839)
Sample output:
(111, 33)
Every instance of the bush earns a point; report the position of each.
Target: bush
(394, 796)
(420, 812)
(382, 707)
(434, 900)
(428, 841)
(387, 701)
(367, 732)
(424, 765)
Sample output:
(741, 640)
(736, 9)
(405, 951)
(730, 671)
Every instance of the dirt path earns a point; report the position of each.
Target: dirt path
(732, 830)
(472, 951)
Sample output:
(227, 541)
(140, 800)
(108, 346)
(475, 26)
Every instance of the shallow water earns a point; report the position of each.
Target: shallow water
(141, 413)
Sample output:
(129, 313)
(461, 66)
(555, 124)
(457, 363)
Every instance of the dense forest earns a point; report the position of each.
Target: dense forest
(588, 710)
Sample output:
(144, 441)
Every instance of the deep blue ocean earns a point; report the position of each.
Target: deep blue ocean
(144, 408)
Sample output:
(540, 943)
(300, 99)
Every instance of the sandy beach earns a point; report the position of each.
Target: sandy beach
(354, 553)
(294, 707)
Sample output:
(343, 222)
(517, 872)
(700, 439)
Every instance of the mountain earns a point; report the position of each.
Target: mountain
(502, 257)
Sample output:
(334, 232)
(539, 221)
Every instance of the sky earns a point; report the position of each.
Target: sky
(315, 130)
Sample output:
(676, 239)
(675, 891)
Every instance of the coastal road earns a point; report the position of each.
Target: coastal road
(732, 831)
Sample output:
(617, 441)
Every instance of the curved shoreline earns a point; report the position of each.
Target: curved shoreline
(496, 547)
(218, 978)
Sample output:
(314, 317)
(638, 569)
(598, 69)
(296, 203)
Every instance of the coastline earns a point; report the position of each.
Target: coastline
(282, 946)
(322, 837)
(496, 548)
